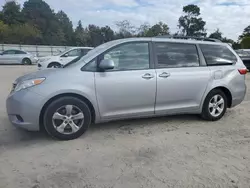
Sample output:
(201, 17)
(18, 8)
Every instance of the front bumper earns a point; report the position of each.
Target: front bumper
(23, 108)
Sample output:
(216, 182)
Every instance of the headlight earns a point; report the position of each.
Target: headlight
(28, 83)
(42, 60)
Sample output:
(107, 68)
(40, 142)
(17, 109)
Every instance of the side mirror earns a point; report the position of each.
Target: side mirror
(107, 64)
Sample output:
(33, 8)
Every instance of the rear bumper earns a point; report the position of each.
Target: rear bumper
(23, 108)
(238, 96)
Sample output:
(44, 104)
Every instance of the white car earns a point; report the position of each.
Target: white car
(63, 58)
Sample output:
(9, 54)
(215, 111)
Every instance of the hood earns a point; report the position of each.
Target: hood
(39, 74)
(46, 57)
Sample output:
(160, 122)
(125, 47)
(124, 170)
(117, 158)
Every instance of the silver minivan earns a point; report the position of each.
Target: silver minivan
(130, 78)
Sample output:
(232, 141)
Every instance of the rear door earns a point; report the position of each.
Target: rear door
(129, 89)
(181, 78)
(7, 57)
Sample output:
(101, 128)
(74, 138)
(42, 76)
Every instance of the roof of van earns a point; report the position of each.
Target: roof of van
(163, 39)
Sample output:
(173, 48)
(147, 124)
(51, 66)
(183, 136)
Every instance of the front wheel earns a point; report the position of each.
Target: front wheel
(215, 105)
(67, 118)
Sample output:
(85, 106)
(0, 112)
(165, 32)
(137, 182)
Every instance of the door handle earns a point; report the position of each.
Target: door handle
(164, 75)
(147, 76)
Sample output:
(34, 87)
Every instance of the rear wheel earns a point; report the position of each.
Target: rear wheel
(54, 65)
(67, 118)
(215, 105)
(26, 61)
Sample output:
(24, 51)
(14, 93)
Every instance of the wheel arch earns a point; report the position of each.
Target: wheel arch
(54, 62)
(83, 98)
(28, 58)
(227, 93)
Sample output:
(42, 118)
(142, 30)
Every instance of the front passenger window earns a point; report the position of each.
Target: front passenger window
(73, 53)
(131, 56)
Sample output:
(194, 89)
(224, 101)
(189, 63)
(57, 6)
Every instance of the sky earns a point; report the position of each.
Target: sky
(230, 16)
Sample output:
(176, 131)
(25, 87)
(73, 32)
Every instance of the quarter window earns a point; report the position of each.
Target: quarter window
(131, 56)
(174, 55)
(217, 55)
(20, 52)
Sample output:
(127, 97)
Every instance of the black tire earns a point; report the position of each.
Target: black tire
(58, 103)
(26, 61)
(206, 115)
(54, 65)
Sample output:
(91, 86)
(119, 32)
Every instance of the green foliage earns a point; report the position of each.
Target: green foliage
(37, 23)
(245, 42)
(157, 30)
(19, 33)
(4, 31)
(216, 35)
(190, 24)
(66, 28)
(39, 14)
(11, 13)
(246, 33)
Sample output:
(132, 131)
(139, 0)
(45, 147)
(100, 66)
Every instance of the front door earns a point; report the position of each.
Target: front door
(69, 56)
(181, 81)
(129, 89)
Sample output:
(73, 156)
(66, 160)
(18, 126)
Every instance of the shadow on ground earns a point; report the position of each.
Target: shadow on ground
(14, 137)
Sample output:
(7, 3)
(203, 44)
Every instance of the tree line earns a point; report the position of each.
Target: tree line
(37, 23)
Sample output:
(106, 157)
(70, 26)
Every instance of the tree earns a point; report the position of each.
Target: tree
(126, 29)
(246, 33)
(143, 29)
(4, 32)
(158, 29)
(80, 35)
(245, 42)
(191, 24)
(107, 33)
(39, 14)
(24, 34)
(216, 35)
(11, 13)
(66, 27)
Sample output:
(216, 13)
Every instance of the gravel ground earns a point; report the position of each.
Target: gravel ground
(175, 151)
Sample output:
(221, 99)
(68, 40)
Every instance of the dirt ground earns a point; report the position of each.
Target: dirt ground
(176, 151)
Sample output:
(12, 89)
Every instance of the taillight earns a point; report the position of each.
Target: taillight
(243, 71)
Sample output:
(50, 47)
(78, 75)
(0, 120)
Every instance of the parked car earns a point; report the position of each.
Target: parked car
(62, 58)
(17, 57)
(148, 77)
(245, 56)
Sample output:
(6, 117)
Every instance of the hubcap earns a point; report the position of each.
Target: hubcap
(68, 119)
(216, 105)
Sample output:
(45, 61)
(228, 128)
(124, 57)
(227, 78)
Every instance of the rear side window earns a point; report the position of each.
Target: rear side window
(217, 55)
(20, 52)
(174, 55)
(9, 52)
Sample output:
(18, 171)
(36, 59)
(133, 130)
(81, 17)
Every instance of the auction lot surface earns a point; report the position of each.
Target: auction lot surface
(176, 151)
